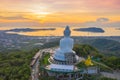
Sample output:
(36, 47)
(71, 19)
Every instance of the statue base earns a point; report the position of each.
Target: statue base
(70, 59)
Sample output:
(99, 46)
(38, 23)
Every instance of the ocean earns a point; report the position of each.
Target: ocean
(109, 31)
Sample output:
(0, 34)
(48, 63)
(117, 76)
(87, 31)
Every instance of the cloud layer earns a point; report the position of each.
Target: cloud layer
(13, 18)
(100, 22)
(20, 24)
(62, 5)
(99, 13)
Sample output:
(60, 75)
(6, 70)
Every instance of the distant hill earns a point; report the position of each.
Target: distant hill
(14, 41)
(105, 46)
(91, 29)
(108, 47)
(29, 29)
(84, 50)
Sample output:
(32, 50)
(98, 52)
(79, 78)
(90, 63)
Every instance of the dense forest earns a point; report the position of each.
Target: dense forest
(111, 61)
(14, 65)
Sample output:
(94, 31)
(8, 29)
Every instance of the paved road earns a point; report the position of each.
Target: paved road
(35, 62)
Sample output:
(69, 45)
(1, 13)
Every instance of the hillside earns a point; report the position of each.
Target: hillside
(105, 46)
(108, 47)
(14, 65)
(84, 50)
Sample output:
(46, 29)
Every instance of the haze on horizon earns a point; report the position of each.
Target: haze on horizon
(33, 13)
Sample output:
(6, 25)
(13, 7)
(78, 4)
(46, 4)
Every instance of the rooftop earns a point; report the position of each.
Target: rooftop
(62, 67)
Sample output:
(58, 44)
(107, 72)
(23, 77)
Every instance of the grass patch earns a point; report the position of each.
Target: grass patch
(44, 60)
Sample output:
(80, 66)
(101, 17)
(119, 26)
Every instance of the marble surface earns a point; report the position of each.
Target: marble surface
(66, 45)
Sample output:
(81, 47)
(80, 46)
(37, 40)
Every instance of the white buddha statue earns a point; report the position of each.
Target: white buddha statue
(66, 46)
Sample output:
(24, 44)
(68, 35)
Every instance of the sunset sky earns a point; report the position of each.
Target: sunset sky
(47, 12)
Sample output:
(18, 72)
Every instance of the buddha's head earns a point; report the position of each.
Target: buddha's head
(67, 31)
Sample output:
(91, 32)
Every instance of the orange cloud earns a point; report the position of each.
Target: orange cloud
(59, 11)
(103, 5)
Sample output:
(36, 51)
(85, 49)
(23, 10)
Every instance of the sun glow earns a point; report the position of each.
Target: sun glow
(58, 11)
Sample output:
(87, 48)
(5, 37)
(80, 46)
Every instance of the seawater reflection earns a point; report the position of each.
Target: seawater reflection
(109, 31)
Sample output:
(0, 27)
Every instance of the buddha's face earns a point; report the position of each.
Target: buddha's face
(67, 32)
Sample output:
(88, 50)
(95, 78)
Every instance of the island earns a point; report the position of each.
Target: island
(90, 29)
(29, 29)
